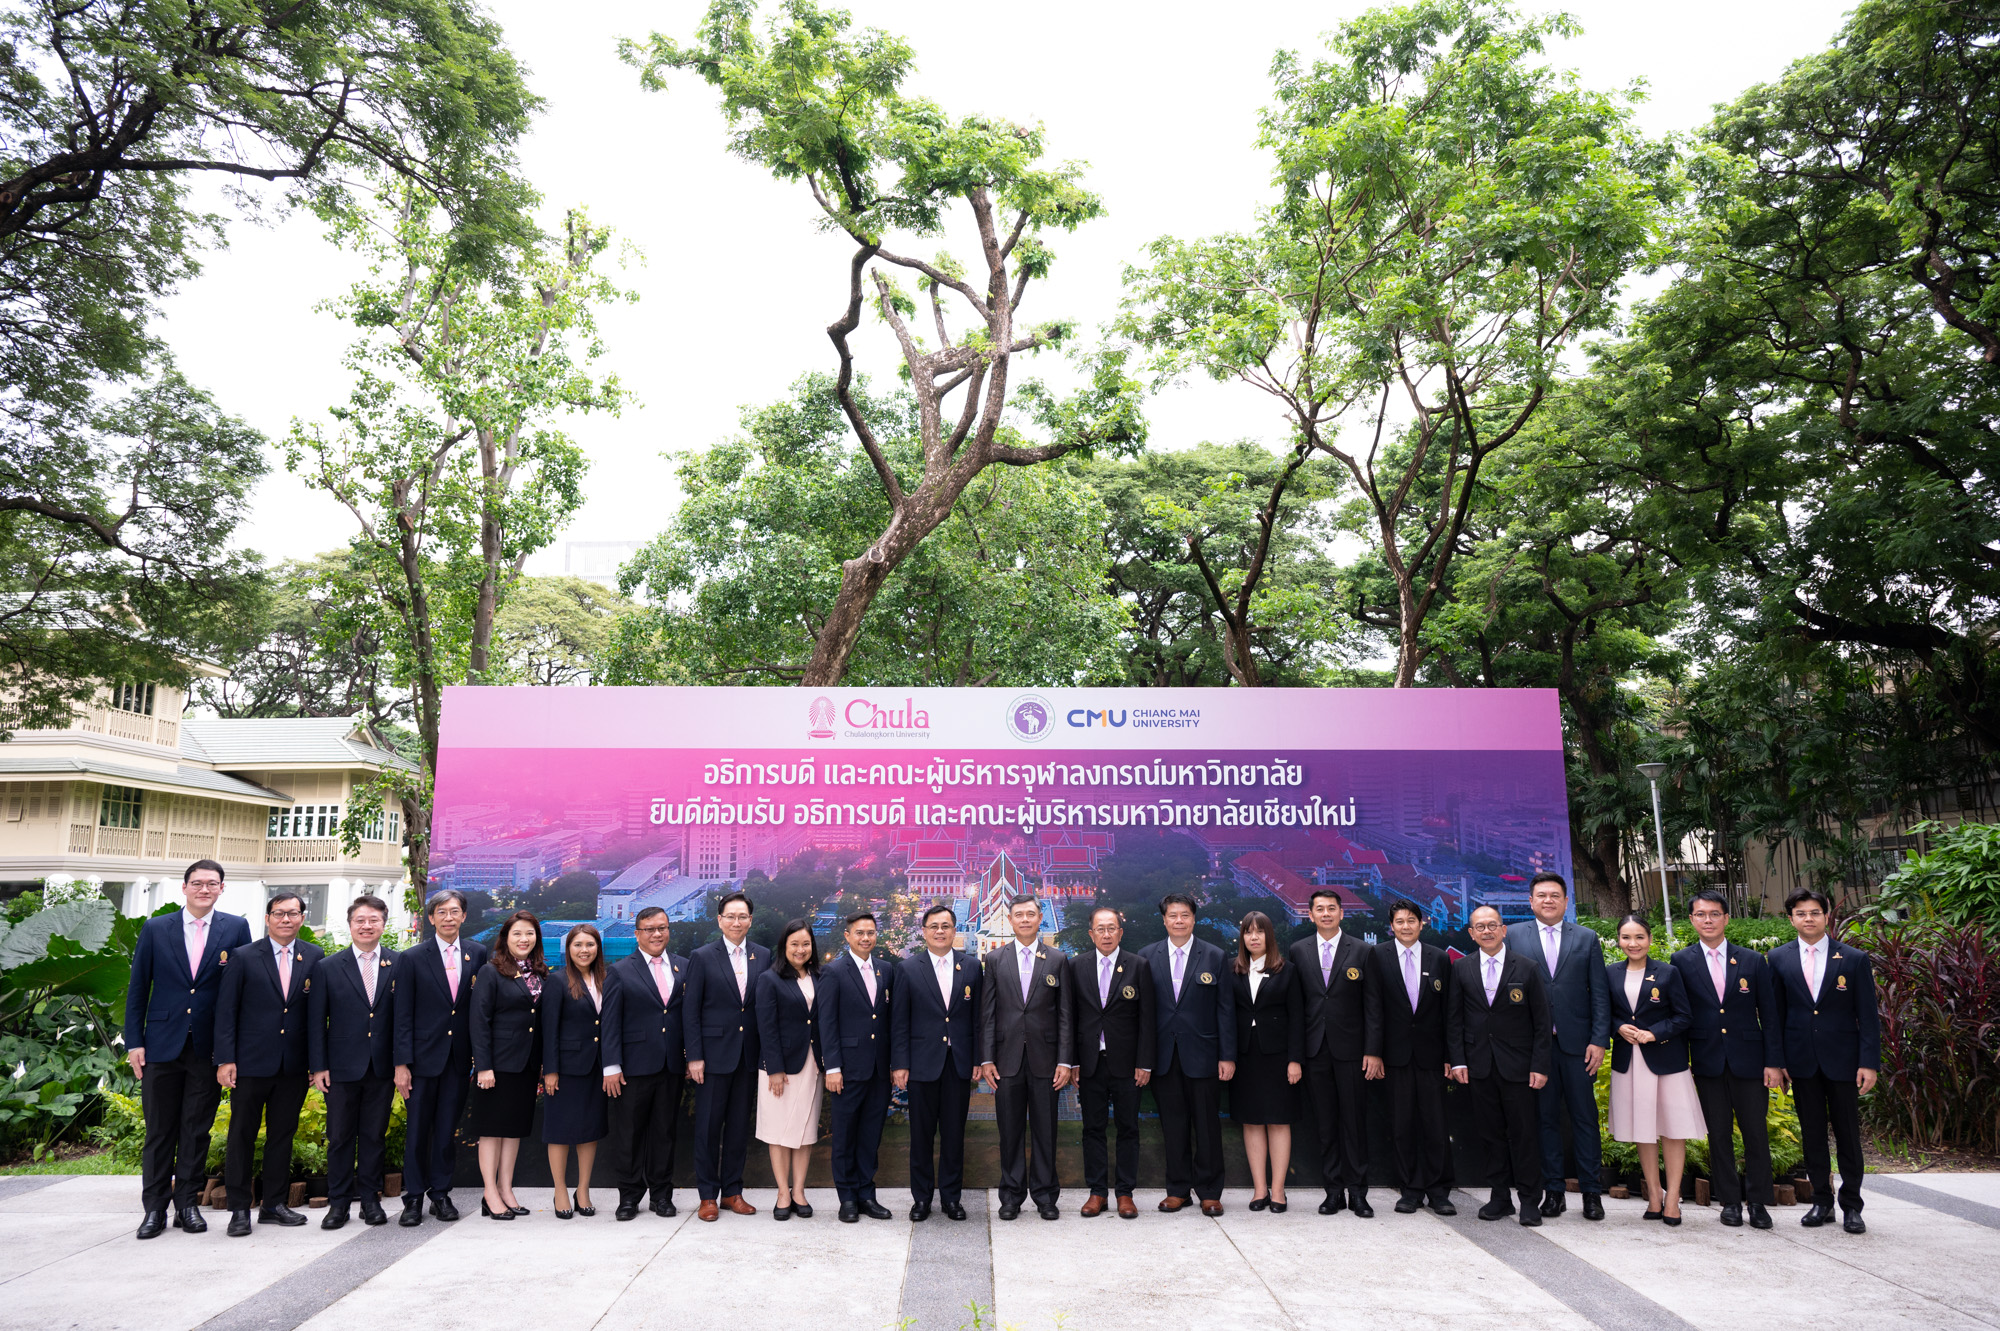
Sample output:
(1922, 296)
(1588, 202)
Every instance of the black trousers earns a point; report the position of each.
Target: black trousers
(1509, 1124)
(937, 1115)
(1571, 1093)
(1745, 1101)
(1025, 1104)
(1822, 1101)
(179, 1097)
(643, 1119)
(1416, 1117)
(272, 1103)
(859, 1112)
(430, 1137)
(725, 1109)
(357, 1124)
(1104, 1094)
(1191, 1122)
(1337, 1093)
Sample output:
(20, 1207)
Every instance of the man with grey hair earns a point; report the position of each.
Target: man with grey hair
(434, 1053)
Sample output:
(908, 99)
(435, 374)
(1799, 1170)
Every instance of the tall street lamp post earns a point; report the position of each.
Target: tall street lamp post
(1653, 772)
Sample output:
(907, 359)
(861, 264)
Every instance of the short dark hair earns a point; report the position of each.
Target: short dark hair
(503, 958)
(857, 917)
(933, 909)
(1259, 923)
(1401, 904)
(1806, 894)
(648, 913)
(1549, 876)
(1025, 899)
(1113, 911)
(782, 962)
(728, 897)
(442, 895)
(284, 894)
(1178, 899)
(372, 903)
(1329, 893)
(1633, 917)
(198, 866)
(1713, 897)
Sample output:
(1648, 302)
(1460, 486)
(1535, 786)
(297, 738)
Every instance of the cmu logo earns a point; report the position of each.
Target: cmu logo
(1083, 718)
(820, 717)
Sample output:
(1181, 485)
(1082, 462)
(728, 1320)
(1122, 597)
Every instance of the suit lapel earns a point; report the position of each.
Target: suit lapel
(269, 958)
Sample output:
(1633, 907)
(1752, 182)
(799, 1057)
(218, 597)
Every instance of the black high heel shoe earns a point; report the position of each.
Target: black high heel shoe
(1666, 1219)
(518, 1210)
(492, 1214)
(802, 1209)
(586, 1210)
(1260, 1203)
(1278, 1208)
(562, 1214)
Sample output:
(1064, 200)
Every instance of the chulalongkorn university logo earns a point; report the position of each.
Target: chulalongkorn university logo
(1029, 717)
(819, 717)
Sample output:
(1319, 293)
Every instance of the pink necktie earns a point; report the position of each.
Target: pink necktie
(1104, 982)
(1552, 949)
(368, 968)
(1492, 979)
(1410, 977)
(868, 979)
(1715, 973)
(1325, 963)
(740, 963)
(451, 969)
(284, 970)
(659, 964)
(195, 948)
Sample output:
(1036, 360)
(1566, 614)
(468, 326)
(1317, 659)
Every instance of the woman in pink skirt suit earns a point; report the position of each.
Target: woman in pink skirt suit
(788, 1077)
(1653, 1098)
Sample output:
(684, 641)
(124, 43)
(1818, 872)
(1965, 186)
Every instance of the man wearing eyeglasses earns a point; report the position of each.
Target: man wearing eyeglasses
(721, 1032)
(260, 1057)
(644, 1066)
(1497, 1039)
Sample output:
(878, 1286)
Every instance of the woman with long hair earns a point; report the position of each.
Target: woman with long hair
(1653, 1096)
(788, 1078)
(1270, 1056)
(506, 1056)
(573, 1072)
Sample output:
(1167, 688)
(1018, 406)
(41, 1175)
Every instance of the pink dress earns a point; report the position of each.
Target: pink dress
(1644, 1107)
(791, 1119)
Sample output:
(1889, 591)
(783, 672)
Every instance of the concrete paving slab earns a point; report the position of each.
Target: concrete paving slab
(1981, 1188)
(29, 1243)
(87, 1194)
(950, 1266)
(750, 1273)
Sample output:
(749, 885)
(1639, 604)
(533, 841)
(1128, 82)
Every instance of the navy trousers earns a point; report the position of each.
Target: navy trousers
(937, 1118)
(430, 1139)
(859, 1112)
(1572, 1094)
(725, 1108)
(357, 1128)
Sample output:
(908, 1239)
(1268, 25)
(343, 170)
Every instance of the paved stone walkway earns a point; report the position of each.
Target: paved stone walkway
(68, 1260)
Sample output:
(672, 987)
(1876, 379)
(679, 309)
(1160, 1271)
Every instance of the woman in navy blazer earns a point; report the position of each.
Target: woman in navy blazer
(1653, 1097)
(788, 1077)
(573, 1067)
(506, 1056)
(1271, 1054)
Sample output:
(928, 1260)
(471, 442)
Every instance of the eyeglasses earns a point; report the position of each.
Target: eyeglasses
(206, 884)
(287, 915)
(650, 929)
(737, 917)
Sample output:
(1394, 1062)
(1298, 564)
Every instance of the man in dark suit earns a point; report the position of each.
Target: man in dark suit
(1027, 1022)
(433, 1021)
(351, 1049)
(170, 1043)
(934, 1056)
(1406, 1002)
(720, 1027)
(260, 1057)
(1195, 1054)
(1334, 968)
(1117, 1031)
(1832, 1047)
(1497, 1038)
(1572, 964)
(645, 1064)
(853, 999)
(1736, 1053)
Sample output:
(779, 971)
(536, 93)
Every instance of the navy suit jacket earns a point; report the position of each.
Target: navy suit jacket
(854, 1033)
(720, 1024)
(1662, 1009)
(572, 1029)
(927, 1038)
(1579, 998)
(645, 1033)
(260, 1027)
(1508, 1038)
(1337, 1014)
(1201, 1025)
(434, 1032)
(1838, 1032)
(344, 1035)
(786, 1025)
(166, 1009)
(1737, 1031)
(506, 1023)
(1398, 1034)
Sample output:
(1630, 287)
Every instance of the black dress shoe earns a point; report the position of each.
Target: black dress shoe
(154, 1225)
(335, 1217)
(1553, 1205)
(1332, 1206)
(1531, 1210)
(1279, 1208)
(1851, 1222)
(1260, 1203)
(372, 1213)
(502, 1214)
(518, 1210)
(1049, 1211)
(442, 1208)
(1443, 1206)
(667, 1208)
(920, 1210)
(1732, 1216)
(873, 1209)
(1010, 1210)
(1593, 1206)
(1497, 1209)
(626, 1211)
(1653, 1215)
(1819, 1213)
(239, 1225)
(849, 1213)
(953, 1210)
(279, 1215)
(188, 1219)
(1408, 1206)
(803, 1210)
(781, 1212)
(1357, 1202)
(1759, 1217)
(413, 1215)
(1670, 1221)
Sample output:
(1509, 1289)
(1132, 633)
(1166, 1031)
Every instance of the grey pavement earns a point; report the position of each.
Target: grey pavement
(68, 1260)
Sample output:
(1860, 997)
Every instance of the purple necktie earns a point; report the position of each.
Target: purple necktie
(1027, 969)
(1410, 977)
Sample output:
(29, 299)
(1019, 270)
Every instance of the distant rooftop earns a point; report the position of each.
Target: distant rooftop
(280, 741)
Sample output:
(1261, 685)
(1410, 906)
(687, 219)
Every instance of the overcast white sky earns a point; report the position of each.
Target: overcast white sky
(737, 287)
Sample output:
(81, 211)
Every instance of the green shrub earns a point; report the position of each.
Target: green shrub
(1956, 882)
(1781, 1123)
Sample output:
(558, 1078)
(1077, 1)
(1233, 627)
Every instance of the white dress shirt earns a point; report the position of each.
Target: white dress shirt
(941, 966)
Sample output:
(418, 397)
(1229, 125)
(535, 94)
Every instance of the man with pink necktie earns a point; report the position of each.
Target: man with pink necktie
(645, 1065)
(170, 1043)
(854, 1021)
(721, 1034)
(1406, 1001)
(433, 1012)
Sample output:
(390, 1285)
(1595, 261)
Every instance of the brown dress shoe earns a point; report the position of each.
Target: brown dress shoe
(738, 1205)
(1127, 1210)
(1095, 1206)
(1172, 1204)
(708, 1211)
(1211, 1208)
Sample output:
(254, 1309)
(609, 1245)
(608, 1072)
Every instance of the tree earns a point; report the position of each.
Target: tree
(449, 452)
(554, 631)
(1454, 215)
(809, 103)
(1010, 589)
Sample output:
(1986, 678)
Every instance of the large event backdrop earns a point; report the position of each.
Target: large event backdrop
(1449, 797)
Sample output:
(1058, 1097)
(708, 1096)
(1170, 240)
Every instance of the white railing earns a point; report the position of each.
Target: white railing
(315, 850)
